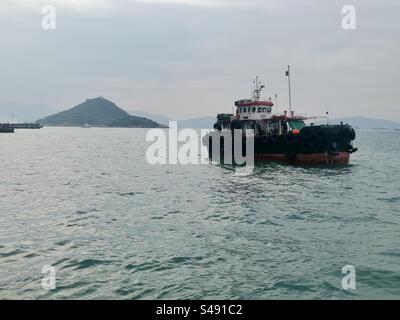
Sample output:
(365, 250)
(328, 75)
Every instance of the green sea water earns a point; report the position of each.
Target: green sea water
(86, 202)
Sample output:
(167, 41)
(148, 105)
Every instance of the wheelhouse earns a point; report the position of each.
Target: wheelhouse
(253, 110)
(258, 114)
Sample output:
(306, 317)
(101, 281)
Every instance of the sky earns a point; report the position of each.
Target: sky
(189, 58)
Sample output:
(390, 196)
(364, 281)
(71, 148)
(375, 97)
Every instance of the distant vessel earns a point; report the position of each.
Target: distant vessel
(285, 136)
(86, 125)
(6, 128)
(26, 125)
(9, 127)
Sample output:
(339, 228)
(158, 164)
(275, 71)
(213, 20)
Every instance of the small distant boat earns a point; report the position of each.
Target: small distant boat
(6, 128)
(10, 127)
(86, 126)
(26, 125)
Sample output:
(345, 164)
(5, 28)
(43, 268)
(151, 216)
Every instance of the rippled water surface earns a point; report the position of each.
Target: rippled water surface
(114, 227)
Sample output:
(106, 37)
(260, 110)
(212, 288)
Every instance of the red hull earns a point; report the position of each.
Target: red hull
(342, 158)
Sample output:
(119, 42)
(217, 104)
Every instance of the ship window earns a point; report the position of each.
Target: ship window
(254, 110)
(259, 109)
(249, 110)
(264, 109)
(244, 110)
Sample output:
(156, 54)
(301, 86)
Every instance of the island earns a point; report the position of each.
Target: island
(97, 112)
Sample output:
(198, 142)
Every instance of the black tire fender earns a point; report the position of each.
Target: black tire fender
(275, 137)
(290, 153)
(307, 133)
(351, 134)
(332, 149)
(320, 134)
(307, 145)
(264, 138)
(291, 138)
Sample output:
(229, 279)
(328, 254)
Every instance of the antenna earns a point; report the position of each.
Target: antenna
(276, 101)
(257, 89)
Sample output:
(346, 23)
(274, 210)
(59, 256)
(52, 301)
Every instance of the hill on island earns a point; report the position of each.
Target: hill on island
(97, 112)
(194, 123)
(369, 123)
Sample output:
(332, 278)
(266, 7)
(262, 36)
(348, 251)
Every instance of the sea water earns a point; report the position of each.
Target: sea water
(85, 203)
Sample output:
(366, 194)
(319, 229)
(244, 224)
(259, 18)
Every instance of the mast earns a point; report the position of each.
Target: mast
(290, 91)
(257, 89)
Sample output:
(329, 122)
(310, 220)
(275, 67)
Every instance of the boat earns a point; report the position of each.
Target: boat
(283, 137)
(26, 125)
(6, 128)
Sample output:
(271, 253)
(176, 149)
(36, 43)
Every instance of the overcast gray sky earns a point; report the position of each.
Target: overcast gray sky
(195, 57)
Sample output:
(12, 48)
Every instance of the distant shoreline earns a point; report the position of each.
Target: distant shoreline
(104, 127)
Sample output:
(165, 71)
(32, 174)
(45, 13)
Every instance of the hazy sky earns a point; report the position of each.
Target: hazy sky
(187, 58)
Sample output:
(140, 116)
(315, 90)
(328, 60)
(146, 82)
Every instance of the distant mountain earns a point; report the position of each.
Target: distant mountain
(368, 123)
(27, 112)
(197, 123)
(133, 122)
(97, 112)
(155, 117)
